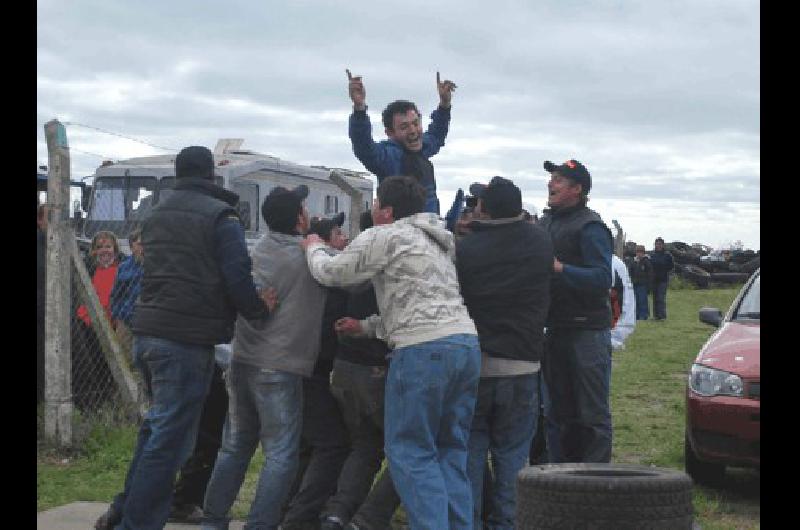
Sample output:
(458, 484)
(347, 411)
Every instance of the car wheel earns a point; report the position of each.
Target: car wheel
(706, 473)
(603, 496)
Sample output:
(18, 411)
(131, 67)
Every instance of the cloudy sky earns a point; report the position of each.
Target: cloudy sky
(659, 99)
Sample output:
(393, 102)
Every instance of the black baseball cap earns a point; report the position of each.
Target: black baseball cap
(194, 161)
(501, 197)
(323, 226)
(573, 170)
(282, 206)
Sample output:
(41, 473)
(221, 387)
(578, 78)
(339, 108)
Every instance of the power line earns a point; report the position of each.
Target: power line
(76, 124)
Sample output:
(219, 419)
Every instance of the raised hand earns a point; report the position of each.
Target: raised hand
(445, 89)
(356, 90)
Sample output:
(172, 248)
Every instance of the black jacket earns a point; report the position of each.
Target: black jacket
(641, 271)
(504, 268)
(183, 296)
(359, 350)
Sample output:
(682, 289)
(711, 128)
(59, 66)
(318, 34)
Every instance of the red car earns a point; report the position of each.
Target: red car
(723, 394)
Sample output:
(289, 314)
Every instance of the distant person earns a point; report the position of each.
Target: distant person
(92, 381)
(623, 304)
(197, 278)
(126, 289)
(641, 273)
(408, 150)
(662, 266)
(41, 287)
(265, 379)
(504, 269)
(577, 360)
(435, 366)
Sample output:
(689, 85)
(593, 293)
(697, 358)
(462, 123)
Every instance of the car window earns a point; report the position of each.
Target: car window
(750, 306)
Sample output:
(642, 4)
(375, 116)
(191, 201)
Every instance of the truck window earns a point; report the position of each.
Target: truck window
(119, 204)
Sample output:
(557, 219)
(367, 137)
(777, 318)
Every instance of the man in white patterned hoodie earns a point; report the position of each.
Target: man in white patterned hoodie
(434, 370)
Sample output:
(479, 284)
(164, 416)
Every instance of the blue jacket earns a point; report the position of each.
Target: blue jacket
(126, 289)
(384, 158)
(662, 265)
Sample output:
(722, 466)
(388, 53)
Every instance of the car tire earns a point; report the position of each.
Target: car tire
(603, 496)
(705, 473)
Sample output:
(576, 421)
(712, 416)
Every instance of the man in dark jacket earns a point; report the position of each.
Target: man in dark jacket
(577, 359)
(197, 277)
(504, 268)
(641, 272)
(662, 265)
(408, 150)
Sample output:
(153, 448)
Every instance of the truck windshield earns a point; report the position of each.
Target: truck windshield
(119, 204)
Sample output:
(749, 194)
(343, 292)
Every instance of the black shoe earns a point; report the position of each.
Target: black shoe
(108, 520)
(331, 522)
(186, 513)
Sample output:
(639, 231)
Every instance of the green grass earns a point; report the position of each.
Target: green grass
(648, 385)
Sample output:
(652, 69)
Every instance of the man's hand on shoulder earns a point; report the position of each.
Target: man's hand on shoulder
(270, 298)
(311, 239)
(356, 89)
(445, 89)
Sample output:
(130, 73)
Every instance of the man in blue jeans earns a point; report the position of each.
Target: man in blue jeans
(435, 365)
(197, 277)
(265, 379)
(577, 358)
(504, 267)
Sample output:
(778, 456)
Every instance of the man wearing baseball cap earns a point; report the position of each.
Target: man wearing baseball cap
(577, 359)
(197, 278)
(504, 267)
(265, 378)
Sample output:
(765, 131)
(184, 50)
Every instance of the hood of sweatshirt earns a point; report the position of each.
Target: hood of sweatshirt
(434, 227)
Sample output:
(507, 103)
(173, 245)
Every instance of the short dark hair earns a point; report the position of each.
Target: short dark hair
(281, 207)
(659, 240)
(404, 194)
(400, 106)
(365, 221)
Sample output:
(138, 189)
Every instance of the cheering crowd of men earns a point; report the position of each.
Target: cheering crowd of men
(429, 342)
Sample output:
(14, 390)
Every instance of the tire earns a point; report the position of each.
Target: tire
(603, 496)
(706, 473)
(729, 277)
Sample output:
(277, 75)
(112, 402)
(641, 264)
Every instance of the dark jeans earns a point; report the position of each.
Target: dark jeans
(324, 445)
(378, 509)
(194, 475)
(577, 369)
(642, 302)
(502, 426)
(660, 299)
(176, 377)
(359, 390)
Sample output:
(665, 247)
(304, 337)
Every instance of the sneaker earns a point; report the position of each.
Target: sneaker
(186, 513)
(331, 522)
(108, 520)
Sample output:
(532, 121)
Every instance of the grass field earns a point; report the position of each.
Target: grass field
(648, 384)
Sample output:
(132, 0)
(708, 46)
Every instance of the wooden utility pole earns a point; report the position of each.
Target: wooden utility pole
(58, 395)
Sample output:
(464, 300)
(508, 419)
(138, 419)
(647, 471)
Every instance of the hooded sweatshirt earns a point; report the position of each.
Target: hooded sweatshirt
(410, 263)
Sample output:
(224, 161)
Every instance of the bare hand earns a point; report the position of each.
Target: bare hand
(348, 326)
(270, 298)
(557, 266)
(446, 89)
(357, 92)
(311, 239)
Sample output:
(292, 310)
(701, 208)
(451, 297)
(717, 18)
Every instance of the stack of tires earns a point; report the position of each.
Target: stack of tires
(603, 496)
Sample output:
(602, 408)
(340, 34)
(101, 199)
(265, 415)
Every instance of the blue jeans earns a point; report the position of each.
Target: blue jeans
(176, 378)
(577, 369)
(660, 299)
(430, 398)
(503, 425)
(265, 406)
(642, 302)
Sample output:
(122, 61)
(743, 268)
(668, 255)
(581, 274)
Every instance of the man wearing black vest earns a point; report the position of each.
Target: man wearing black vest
(197, 277)
(504, 267)
(408, 150)
(577, 360)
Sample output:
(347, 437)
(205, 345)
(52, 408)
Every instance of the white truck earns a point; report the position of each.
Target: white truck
(123, 192)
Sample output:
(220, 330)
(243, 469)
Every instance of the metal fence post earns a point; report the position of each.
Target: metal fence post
(58, 397)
